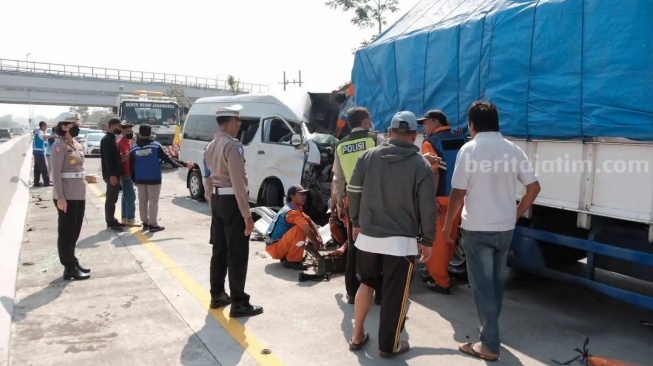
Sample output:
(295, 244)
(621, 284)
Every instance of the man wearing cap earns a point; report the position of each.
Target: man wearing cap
(391, 194)
(69, 194)
(128, 194)
(112, 171)
(289, 230)
(145, 163)
(348, 150)
(440, 140)
(232, 222)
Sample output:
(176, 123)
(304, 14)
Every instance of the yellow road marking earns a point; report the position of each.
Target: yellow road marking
(237, 330)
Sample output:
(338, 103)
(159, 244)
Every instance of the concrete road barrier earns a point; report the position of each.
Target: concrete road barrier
(12, 156)
(15, 167)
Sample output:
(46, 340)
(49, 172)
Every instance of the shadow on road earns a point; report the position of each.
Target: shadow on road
(93, 241)
(192, 205)
(369, 355)
(569, 312)
(39, 299)
(208, 343)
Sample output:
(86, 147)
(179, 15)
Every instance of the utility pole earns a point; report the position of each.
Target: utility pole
(29, 95)
(285, 81)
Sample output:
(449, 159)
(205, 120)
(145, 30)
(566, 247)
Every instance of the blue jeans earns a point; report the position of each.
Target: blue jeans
(487, 255)
(128, 199)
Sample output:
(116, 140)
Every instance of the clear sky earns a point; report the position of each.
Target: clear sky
(255, 40)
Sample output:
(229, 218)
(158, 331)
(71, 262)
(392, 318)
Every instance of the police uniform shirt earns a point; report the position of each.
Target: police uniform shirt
(225, 159)
(67, 158)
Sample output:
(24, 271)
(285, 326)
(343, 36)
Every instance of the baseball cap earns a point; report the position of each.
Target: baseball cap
(296, 189)
(404, 121)
(126, 124)
(433, 114)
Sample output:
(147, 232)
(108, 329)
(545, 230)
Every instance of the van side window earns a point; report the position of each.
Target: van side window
(248, 128)
(207, 126)
(190, 127)
(276, 131)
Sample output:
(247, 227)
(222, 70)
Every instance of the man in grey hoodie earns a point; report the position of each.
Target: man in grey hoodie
(391, 203)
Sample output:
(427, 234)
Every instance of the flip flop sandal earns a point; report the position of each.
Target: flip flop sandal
(403, 348)
(357, 347)
(468, 349)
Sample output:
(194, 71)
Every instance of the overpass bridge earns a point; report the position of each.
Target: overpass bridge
(23, 82)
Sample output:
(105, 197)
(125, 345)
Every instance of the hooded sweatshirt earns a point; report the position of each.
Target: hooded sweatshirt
(145, 162)
(392, 193)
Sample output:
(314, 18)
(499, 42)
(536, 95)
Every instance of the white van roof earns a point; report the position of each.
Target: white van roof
(295, 106)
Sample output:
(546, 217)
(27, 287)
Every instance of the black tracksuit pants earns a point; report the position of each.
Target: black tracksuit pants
(230, 248)
(394, 275)
(69, 227)
(110, 203)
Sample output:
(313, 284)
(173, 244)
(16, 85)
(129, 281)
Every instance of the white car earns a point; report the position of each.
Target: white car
(278, 147)
(92, 144)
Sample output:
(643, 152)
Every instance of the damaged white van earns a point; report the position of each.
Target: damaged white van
(280, 143)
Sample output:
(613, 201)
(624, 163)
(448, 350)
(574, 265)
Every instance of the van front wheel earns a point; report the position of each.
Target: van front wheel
(196, 186)
(273, 195)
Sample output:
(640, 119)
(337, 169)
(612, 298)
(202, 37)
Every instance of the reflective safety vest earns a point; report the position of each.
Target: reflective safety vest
(447, 144)
(351, 147)
(38, 144)
(279, 226)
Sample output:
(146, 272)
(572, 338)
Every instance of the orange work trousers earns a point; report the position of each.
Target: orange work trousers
(438, 264)
(287, 245)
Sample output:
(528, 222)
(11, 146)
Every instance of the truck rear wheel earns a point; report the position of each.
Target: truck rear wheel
(196, 186)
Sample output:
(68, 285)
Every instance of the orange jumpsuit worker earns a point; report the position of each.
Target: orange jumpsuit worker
(289, 227)
(445, 143)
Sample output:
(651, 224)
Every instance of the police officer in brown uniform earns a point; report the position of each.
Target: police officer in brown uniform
(69, 191)
(232, 221)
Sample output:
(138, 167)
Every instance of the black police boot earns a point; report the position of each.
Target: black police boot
(242, 310)
(221, 301)
(431, 285)
(82, 269)
(73, 273)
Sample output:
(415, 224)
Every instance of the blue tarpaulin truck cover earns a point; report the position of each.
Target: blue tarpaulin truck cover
(556, 69)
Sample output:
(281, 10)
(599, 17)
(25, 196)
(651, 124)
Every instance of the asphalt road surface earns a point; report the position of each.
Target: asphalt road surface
(146, 304)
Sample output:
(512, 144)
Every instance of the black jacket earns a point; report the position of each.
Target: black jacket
(110, 155)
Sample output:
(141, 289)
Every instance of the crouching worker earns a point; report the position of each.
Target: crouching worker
(289, 230)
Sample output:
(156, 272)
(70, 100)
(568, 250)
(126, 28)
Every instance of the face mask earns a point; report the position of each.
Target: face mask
(117, 132)
(74, 131)
(129, 136)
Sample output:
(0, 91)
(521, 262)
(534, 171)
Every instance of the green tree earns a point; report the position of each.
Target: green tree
(178, 92)
(367, 13)
(82, 111)
(234, 85)
(98, 114)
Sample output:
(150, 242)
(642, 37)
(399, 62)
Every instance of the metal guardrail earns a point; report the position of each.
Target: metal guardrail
(74, 71)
